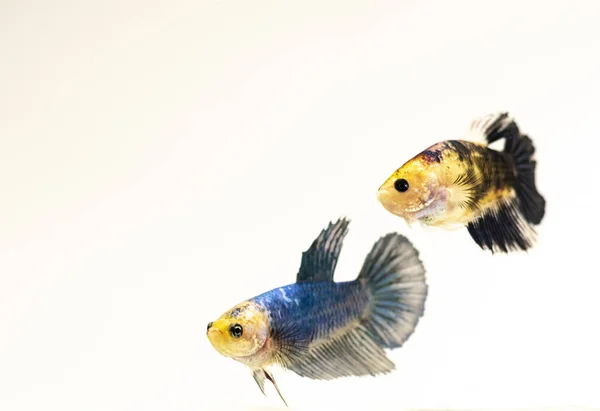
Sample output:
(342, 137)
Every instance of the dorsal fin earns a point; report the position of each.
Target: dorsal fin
(319, 261)
(493, 127)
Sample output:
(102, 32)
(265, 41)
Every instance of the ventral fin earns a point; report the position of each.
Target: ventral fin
(269, 377)
(319, 261)
(503, 228)
(260, 376)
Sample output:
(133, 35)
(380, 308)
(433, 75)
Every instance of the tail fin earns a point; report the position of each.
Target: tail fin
(395, 279)
(531, 202)
(496, 126)
(509, 225)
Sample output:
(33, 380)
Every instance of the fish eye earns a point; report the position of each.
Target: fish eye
(209, 325)
(236, 330)
(401, 185)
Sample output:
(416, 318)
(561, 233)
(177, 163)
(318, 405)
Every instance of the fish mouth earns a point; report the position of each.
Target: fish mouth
(214, 335)
(386, 200)
(382, 186)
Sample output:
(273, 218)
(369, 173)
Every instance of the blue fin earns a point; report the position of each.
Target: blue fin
(352, 353)
(291, 342)
(319, 261)
(394, 279)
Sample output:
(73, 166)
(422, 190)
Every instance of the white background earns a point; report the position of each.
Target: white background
(163, 161)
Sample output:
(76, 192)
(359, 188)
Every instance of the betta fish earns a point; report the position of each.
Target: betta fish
(321, 329)
(458, 183)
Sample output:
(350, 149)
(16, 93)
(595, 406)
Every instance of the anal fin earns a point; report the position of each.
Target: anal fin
(352, 353)
(502, 228)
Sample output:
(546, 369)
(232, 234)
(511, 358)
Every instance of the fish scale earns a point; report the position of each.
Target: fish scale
(315, 309)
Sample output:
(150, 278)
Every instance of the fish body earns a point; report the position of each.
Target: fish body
(309, 306)
(321, 329)
(458, 183)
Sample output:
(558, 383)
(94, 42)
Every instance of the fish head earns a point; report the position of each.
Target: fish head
(240, 331)
(411, 188)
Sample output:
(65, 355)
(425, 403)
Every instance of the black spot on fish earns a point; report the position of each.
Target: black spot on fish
(432, 156)
(236, 312)
(459, 148)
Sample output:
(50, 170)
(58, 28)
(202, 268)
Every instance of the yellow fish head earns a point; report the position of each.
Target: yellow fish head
(411, 188)
(239, 332)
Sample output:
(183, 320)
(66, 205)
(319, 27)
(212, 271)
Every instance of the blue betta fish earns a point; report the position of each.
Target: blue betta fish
(321, 329)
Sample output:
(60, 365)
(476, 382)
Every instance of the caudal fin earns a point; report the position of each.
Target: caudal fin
(531, 203)
(496, 126)
(520, 147)
(509, 225)
(395, 280)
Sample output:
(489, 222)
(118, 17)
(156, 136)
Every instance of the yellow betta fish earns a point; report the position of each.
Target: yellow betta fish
(458, 183)
(321, 329)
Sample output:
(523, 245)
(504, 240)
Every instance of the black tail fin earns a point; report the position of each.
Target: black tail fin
(395, 279)
(531, 202)
(508, 226)
(520, 148)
